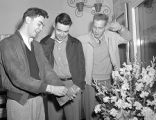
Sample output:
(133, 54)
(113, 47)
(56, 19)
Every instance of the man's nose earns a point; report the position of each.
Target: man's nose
(41, 27)
(96, 30)
(62, 33)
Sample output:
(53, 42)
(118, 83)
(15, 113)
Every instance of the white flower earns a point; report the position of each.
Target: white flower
(106, 99)
(139, 86)
(123, 93)
(113, 112)
(129, 67)
(151, 103)
(131, 89)
(154, 117)
(119, 103)
(144, 94)
(148, 113)
(138, 105)
(129, 99)
(113, 98)
(122, 71)
(115, 74)
(122, 104)
(144, 71)
(127, 105)
(151, 72)
(135, 118)
(97, 108)
(146, 79)
(125, 86)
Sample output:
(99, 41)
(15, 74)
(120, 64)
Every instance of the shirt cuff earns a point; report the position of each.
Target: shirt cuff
(49, 88)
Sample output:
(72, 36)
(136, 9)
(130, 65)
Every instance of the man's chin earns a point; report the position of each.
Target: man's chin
(60, 40)
(96, 36)
(34, 35)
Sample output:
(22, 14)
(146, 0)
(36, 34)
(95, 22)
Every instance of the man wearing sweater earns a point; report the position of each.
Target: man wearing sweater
(101, 57)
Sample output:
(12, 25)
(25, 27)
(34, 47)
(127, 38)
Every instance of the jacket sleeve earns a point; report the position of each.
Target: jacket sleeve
(88, 54)
(113, 39)
(45, 42)
(15, 70)
(124, 36)
(50, 75)
(82, 71)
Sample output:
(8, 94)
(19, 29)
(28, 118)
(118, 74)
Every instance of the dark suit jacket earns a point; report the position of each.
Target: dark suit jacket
(75, 57)
(15, 71)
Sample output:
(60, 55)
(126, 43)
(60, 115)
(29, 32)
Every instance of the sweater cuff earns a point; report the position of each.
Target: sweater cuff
(121, 29)
(43, 87)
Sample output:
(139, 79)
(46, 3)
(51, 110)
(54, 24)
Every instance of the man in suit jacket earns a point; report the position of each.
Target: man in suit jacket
(25, 71)
(65, 54)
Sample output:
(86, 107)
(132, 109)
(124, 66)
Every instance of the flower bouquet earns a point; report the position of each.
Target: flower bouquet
(132, 94)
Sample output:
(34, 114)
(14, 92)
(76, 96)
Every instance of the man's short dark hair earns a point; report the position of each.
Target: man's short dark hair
(100, 16)
(64, 19)
(34, 12)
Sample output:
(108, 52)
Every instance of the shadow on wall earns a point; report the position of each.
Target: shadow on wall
(90, 26)
(51, 30)
(18, 25)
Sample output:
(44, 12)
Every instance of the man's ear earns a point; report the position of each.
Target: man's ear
(27, 19)
(54, 25)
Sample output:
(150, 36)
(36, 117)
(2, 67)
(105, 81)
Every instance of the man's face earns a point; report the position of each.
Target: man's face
(35, 26)
(98, 28)
(61, 31)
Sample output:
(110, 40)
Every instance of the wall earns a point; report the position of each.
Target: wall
(118, 6)
(11, 12)
(81, 24)
(150, 18)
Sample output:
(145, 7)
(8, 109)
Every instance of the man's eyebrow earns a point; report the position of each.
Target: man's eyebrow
(62, 30)
(42, 23)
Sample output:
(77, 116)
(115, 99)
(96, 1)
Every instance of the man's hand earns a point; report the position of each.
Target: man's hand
(76, 88)
(57, 90)
(115, 26)
(72, 91)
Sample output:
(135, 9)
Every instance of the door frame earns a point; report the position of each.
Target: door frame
(134, 28)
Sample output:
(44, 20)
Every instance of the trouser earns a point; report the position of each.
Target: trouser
(55, 112)
(69, 111)
(90, 101)
(72, 109)
(33, 109)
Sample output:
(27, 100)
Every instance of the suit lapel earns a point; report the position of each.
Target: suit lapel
(20, 49)
(69, 49)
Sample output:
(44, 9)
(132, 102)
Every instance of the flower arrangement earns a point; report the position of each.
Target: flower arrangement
(131, 96)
